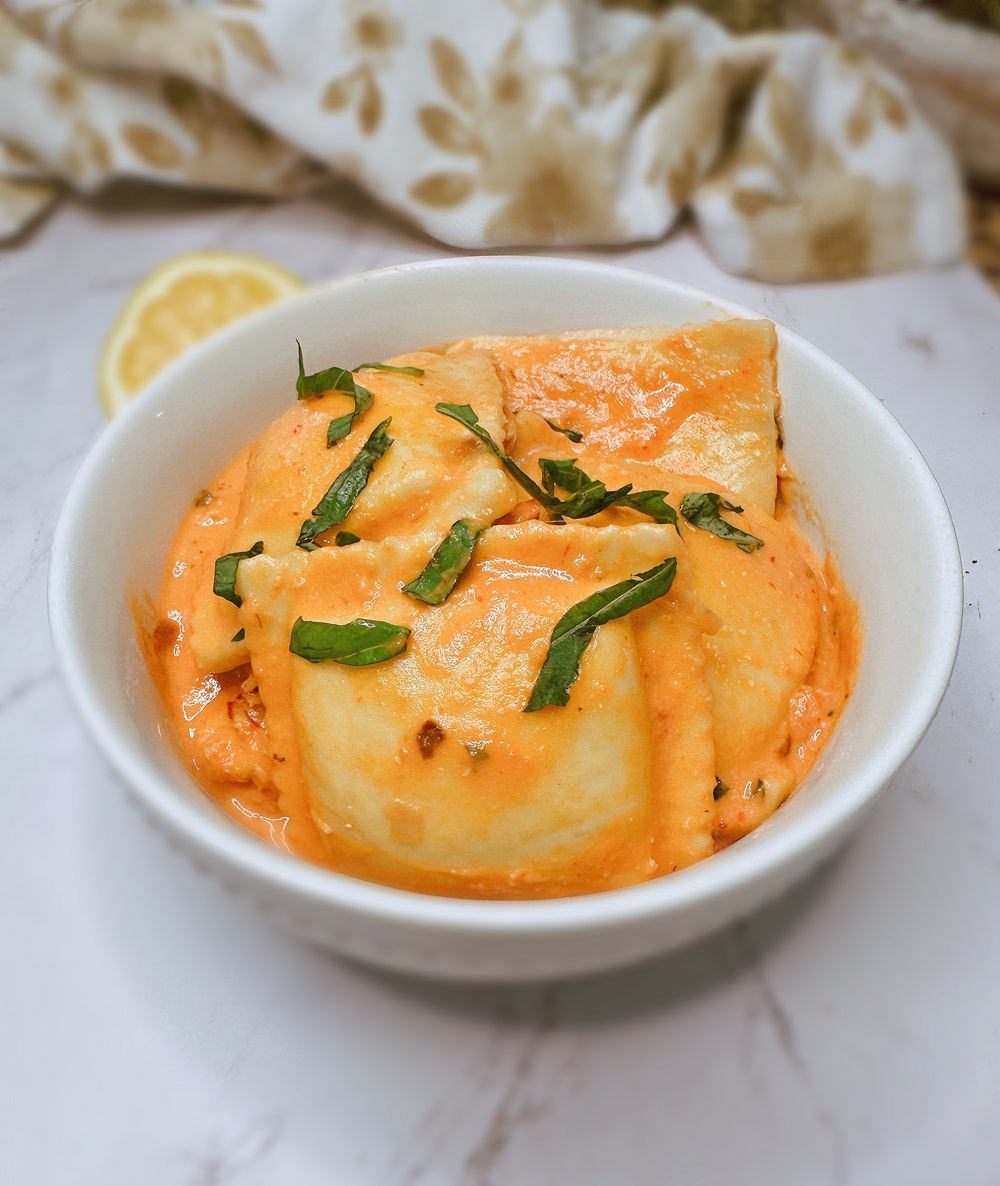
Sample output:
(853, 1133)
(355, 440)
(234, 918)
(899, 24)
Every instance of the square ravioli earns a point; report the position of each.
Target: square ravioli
(698, 400)
(430, 764)
(432, 474)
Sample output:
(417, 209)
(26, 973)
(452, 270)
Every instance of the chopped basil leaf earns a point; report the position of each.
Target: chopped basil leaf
(335, 505)
(720, 789)
(588, 496)
(574, 436)
(591, 500)
(225, 573)
(565, 474)
(345, 538)
(239, 635)
(651, 503)
(416, 372)
(341, 426)
(703, 511)
(357, 644)
(465, 415)
(332, 379)
(576, 628)
(445, 567)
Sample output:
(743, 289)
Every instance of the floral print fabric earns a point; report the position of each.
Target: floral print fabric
(491, 123)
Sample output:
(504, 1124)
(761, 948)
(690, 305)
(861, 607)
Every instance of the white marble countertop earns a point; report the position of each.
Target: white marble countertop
(155, 1031)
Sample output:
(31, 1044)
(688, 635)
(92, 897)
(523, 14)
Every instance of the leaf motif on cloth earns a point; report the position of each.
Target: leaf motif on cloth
(151, 146)
(455, 77)
(360, 86)
(556, 176)
(442, 189)
(337, 93)
(447, 131)
(370, 108)
(247, 40)
(749, 202)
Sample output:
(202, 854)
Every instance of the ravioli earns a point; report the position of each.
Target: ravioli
(700, 400)
(687, 719)
(432, 474)
(508, 800)
(770, 607)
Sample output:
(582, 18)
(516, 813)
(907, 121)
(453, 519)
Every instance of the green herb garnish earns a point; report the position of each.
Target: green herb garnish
(339, 427)
(567, 475)
(445, 567)
(651, 503)
(574, 436)
(576, 628)
(588, 496)
(226, 568)
(239, 635)
(703, 511)
(333, 379)
(591, 500)
(720, 789)
(357, 644)
(346, 538)
(335, 505)
(416, 372)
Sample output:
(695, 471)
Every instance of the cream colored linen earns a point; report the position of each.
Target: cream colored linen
(494, 123)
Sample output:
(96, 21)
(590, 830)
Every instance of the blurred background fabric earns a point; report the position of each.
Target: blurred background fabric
(811, 139)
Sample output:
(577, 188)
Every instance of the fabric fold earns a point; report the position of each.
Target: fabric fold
(508, 123)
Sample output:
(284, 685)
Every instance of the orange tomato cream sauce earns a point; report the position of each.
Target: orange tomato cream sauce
(510, 618)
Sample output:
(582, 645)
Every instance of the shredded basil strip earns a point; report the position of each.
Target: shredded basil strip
(357, 644)
(565, 474)
(651, 503)
(332, 379)
(345, 538)
(450, 560)
(574, 436)
(239, 635)
(226, 568)
(416, 372)
(335, 505)
(703, 511)
(591, 500)
(465, 415)
(720, 789)
(588, 496)
(575, 629)
(341, 426)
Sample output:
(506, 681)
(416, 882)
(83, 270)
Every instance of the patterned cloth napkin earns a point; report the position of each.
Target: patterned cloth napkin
(488, 123)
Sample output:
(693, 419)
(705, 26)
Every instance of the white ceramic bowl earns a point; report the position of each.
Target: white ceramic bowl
(884, 516)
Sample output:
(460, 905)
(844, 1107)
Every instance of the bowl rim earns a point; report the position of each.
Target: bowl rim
(697, 885)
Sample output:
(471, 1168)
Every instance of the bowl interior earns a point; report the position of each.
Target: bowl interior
(882, 514)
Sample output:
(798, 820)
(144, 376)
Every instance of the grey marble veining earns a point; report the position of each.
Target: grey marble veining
(154, 1030)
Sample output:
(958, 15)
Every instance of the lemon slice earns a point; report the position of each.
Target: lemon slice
(179, 303)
